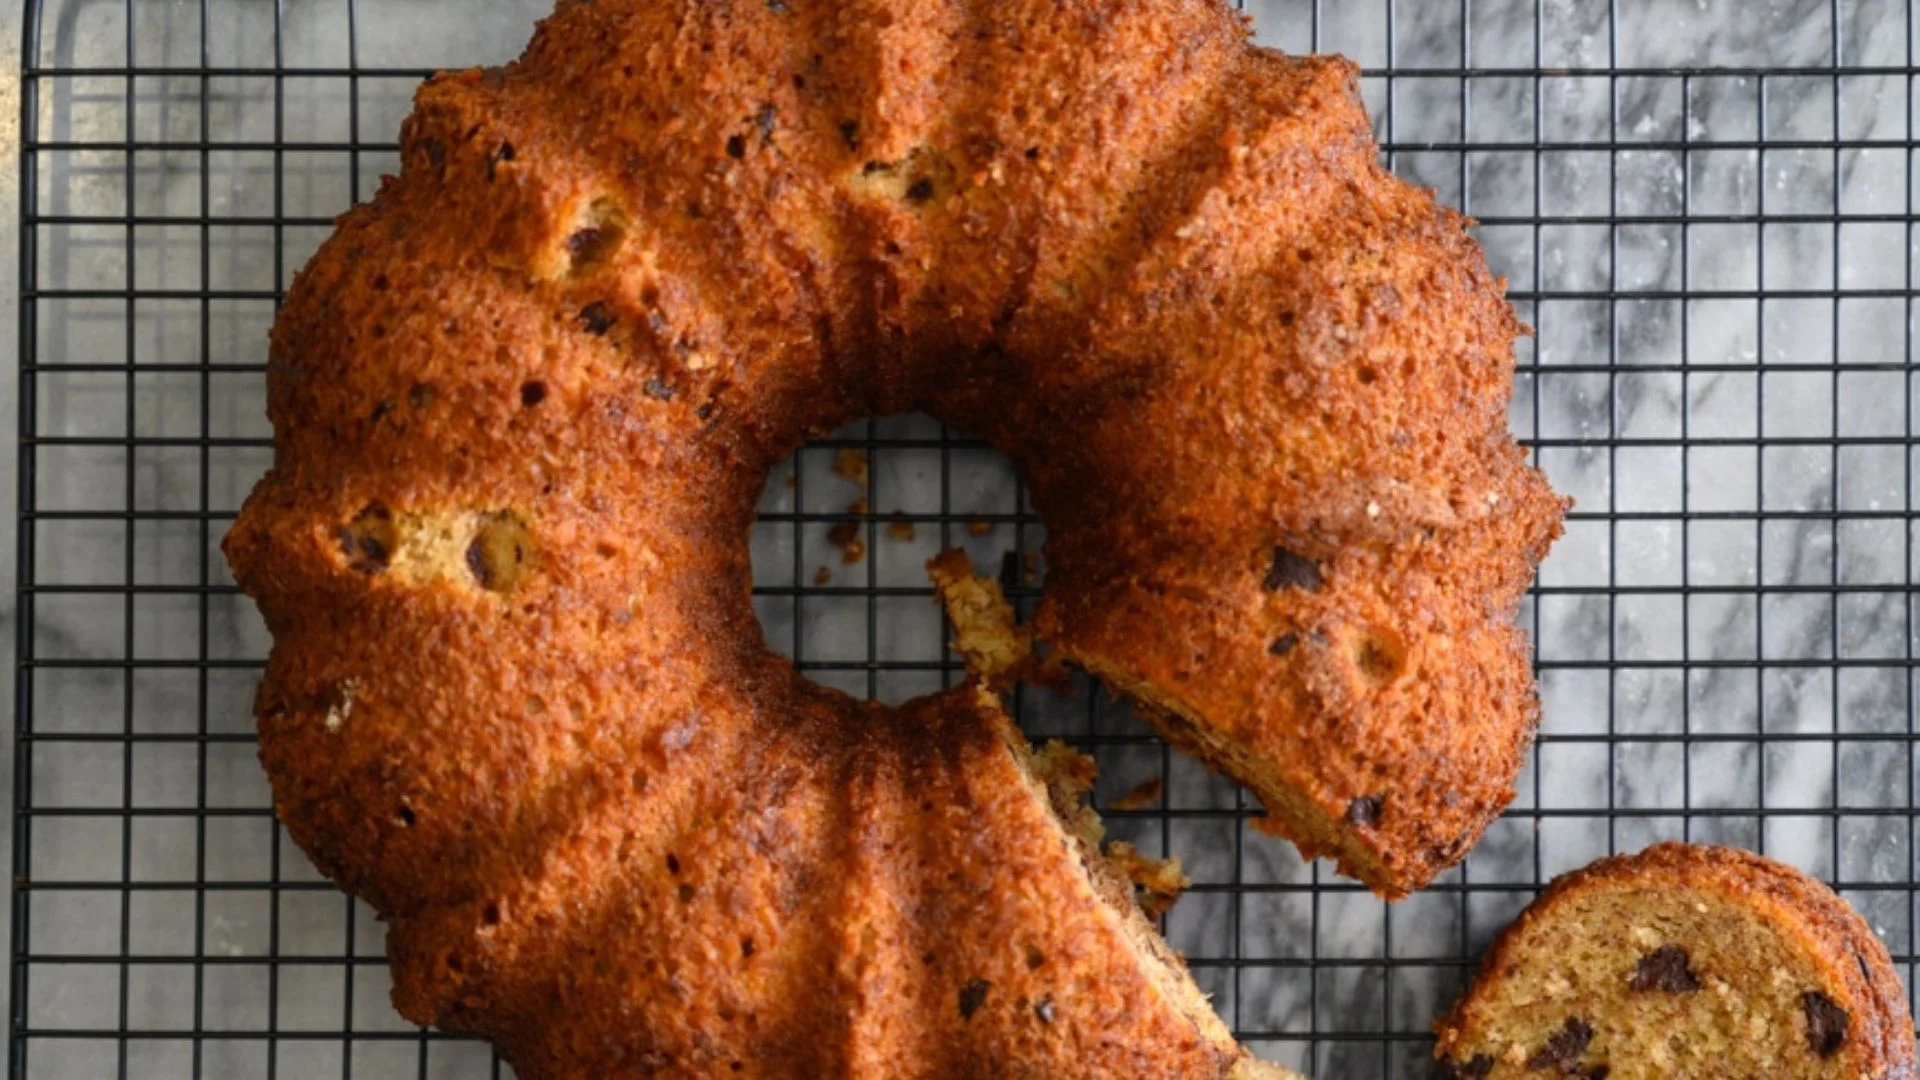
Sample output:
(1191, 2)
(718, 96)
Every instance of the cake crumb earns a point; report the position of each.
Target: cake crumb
(1142, 795)
(846, 536)
(859, 507)
(984, 627)
(900, 528)
(1157, 883)
(979, 527)
(822, 576)
(852, 464)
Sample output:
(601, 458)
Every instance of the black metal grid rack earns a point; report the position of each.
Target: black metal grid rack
(1706, 210)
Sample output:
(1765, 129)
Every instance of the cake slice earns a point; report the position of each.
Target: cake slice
(1683, 961)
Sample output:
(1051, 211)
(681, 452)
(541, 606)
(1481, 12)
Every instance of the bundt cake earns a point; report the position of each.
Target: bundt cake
(1684, 962)
(523, 402)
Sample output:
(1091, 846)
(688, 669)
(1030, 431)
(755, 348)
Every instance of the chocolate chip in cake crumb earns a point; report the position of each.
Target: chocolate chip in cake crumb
(504, 152)
(736, 147)
(686, 894)
(850, 133)
(746, 947)
(532, 393)
(478, 565)
(920, 191)
(1666, 969)
(1563, 1050)
(1599, 1072)
(596, 318)
(658, 390)
(1284, 644)
(1826, 1023)
(369, 539)
(1475, 1068)
(1365, 810)
(779, 7)
(1043, 1010)
(972, 996)
(1290, 571)
(380, 410)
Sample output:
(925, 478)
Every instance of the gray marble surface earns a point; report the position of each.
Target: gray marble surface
(1721, 375)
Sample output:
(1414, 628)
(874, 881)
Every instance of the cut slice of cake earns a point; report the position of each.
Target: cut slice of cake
(1683, 961)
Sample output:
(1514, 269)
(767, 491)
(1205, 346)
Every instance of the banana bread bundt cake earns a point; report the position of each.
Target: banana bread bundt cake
(523, 402)
(1684, 962)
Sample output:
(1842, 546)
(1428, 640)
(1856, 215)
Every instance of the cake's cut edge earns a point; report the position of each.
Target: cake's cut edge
(1060, 777)
(1680, 961)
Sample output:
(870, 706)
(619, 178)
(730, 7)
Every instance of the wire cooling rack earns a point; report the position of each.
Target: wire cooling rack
(1705, 207)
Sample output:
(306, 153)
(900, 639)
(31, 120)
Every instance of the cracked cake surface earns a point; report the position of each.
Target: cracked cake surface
(523, 404)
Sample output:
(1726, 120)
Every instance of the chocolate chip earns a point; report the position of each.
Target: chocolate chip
(597, 319)
(532, 393)
(1665, 969)
(673, 863)
(764, 121)
(746, 947)
(657, 390)
(850, 132)
(686, 894)
(435, 150)
(921, 191)
(1290, 571)
(778, 7)
(1826, 1023)
(972, 996)
(583, 243)
(504, 152)
(1563, 1051)
(478, 565)
(420, 395)
(1475, 1068)
(1043, 1010)
(1598, 1072)
(1032, 152)
(380, 410)
(736, 147)
(1284, 644)
(1365, 810)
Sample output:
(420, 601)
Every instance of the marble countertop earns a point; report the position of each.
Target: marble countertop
(1721, 375)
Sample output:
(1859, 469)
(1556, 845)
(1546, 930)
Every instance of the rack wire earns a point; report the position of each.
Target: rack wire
(1706, 211)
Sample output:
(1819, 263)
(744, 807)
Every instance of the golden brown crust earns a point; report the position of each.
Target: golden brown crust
(524, 399)
(1849, 963)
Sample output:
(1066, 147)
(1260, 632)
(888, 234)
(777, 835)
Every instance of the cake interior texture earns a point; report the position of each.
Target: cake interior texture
(1681, 975)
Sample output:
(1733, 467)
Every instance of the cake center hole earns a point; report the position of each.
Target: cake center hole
(846, 526)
